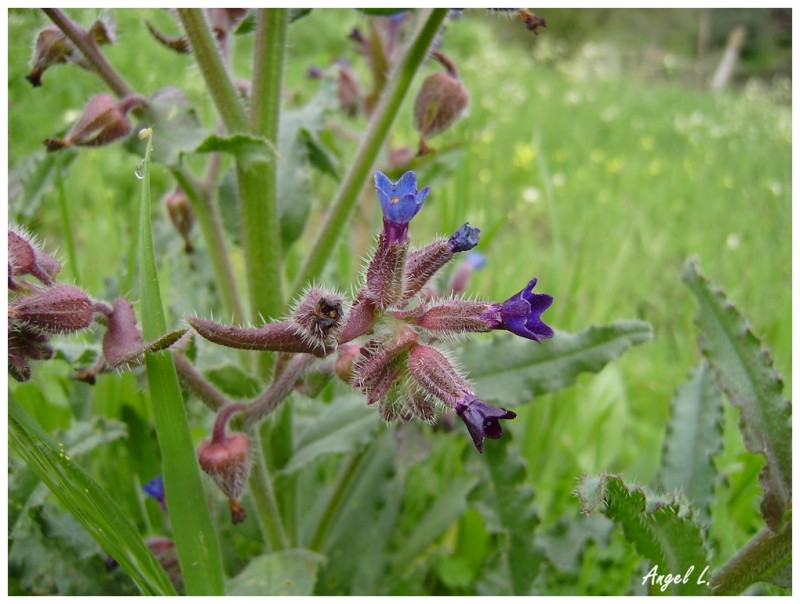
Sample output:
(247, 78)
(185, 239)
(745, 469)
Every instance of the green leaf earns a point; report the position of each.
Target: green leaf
(511, 371)
(745, 373)
(382, 12)
(87, 502)
(234, 381)
(248, 24)
(512, 498)
(175, 123)
(195, 538)
(30, 180)
(448, 507)
(662, 531)
(284, 573)
(694, 436)
(319, 155)
(344, 426)
(242, 146)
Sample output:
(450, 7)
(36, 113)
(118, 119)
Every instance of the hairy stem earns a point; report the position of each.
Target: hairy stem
(280, 388)
(399, 83)
(195, 382)
(86, 44)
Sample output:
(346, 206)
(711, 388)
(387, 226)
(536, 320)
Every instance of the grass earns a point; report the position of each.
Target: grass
(599, 184)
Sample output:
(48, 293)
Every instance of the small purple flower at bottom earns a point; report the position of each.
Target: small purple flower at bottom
(155, 489)
(521, 314)
(400, 202)
(482, 420)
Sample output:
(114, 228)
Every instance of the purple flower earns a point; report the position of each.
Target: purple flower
(464, 239)
(482, 420)
(400, 202)
(521, 314)
(155, 488)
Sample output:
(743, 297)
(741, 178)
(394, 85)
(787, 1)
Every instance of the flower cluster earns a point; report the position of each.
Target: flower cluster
(388, 339)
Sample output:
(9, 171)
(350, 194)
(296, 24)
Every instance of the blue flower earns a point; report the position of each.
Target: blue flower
(476, 260)
(521, 314)
(400, 201)
(464, 239)
(155, 488)
(482, 419)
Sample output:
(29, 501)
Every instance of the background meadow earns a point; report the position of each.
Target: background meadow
(590, 157)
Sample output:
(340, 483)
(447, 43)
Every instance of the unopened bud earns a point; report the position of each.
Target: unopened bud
(51, 47)
(25, 258)
(441, 101)
(384, 283)
(437, 376)
(473, 262)
(104, 120)
(181, 215)
(451, 318)
(226, 458)
(377, 369)
(319, 316)
(25, 343)
(57, 309)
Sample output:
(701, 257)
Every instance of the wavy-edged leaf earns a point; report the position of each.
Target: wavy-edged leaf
(242, 146)
(512, 499)
(745, 373)
(344, 426)
(195, 537)
(510, 371)
(87, 502)
(661, 530)
(284, 573)
(694, 435)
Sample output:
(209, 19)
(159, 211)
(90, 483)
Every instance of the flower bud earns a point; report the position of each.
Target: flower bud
(57, 309)
(226, 458)
(440, 102)
(25, 343)
(360, 319)
(451, 318)
(25, 258)
(318, 316)
(348, 91)
(51, 47)
(376, 369)
(384, 282)
(104, 120)
(181, 214)
(437, 376)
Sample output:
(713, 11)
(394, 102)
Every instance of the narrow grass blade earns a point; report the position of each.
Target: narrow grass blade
(745, 373)
(694, 435)
(195, 538)
(661, 530)
(87, 502)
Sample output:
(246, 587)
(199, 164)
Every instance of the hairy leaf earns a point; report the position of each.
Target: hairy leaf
(745, 373)
(512, 498)
(344, 426)
(661, 530)
(87, 502)
(510, 370)
(694, 435)
(284, 573)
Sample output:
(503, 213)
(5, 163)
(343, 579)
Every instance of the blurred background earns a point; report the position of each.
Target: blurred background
(598, 155)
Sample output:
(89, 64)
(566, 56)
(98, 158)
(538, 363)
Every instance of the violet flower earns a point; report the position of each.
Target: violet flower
(155, 489)
(521, 314)
(482, 419)
(400, 202)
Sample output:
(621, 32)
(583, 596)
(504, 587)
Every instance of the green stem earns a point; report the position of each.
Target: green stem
(88, 47)
(399, 83)
(333, 505)
(72, 256)
(756, 561)
(211, 225)
(264, 495)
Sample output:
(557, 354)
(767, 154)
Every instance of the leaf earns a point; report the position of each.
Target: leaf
(175, 124)
(382, 12)
(319, 155)
(193, 532)
(248, 24)
(298, 127)
(694, 436)
(234, 381)
(242, 146)
(661, 530)
(512, 498)
(284, 573)
(87, 502)
(447, 508)
(745, 373)
(344, 426)
(32, 178)
(510, 371)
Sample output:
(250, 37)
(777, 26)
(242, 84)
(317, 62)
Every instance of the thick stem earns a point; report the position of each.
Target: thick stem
(264, 495)
(88, 48)
(377, 131)
(209, 60)
(211, 224)
(756, 561)
(196, 383)
(280, 388)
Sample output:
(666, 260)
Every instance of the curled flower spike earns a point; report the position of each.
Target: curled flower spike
(521, 314)
(482, 420)
(400, 202)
